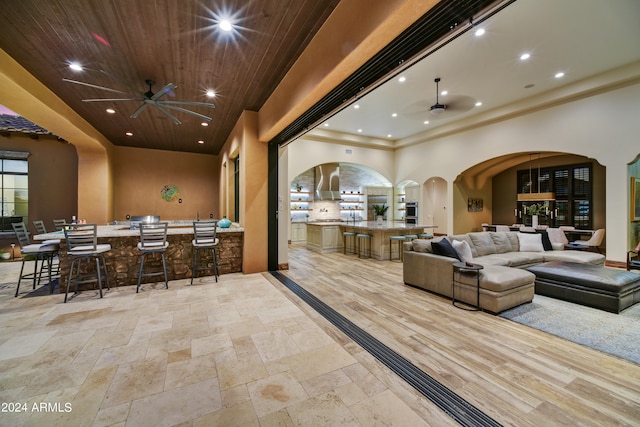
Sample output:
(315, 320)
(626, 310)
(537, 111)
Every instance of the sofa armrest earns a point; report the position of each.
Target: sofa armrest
(428, 271)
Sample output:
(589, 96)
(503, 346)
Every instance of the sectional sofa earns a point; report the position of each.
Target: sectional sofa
(504, 282)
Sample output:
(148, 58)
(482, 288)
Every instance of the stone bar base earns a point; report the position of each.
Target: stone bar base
(123, 261)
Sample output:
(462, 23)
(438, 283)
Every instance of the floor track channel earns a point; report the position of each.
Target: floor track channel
(455, 406)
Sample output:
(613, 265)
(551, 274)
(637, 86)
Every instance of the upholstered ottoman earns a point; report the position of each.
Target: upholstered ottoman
(591, 285)
(501, 288)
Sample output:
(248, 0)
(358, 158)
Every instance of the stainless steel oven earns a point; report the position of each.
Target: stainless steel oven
(411, 216)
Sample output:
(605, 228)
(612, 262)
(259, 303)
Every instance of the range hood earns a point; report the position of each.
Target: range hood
(327, 182)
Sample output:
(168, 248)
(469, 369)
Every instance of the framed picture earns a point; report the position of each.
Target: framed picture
(474, 205)
(635, 199)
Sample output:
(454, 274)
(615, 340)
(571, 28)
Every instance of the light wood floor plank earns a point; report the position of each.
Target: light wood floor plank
(518, 375)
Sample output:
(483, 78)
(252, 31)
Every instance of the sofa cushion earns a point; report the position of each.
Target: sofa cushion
(575, 256)
(499, 278)
(530, 242)
(466, 238)
(444, 248)
(483, 243)
(462, 249)
(424, 245)
(502, 242)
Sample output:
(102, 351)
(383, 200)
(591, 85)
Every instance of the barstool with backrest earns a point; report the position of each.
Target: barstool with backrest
(82, 244)
(40, 252)
(204, 237)
(41, 229)
(59, 224)
(153, 240)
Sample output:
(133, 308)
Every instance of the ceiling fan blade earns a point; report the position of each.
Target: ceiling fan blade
(132, 90)
(169, 87)
(112, 99)
(168, 114)
(139, 110)
(94, 86)
(194, 104)
(184, 110)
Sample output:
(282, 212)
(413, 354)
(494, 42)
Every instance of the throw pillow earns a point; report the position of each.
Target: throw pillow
(530, 242)
(462, 249)
(546, 242)
(444, 248)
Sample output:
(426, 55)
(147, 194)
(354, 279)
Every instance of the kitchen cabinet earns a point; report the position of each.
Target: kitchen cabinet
(324, 237)
(298, 232)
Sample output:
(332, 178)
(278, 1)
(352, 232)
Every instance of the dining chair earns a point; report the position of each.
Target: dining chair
(633, 259)
(595, 241)
(82, 245)
(42, 253)
(204, 238)
(153, 240)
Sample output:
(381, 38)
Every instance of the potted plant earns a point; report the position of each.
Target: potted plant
(534, 210)
(298, 187)
(380, 211)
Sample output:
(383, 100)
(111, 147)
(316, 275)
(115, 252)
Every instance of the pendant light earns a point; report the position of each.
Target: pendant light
(538, 196)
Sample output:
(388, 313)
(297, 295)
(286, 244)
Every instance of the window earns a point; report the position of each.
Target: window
(14, 197)
(572, 186)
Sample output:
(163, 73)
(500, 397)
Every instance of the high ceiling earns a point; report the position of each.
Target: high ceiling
(581, 38)
(166, 41)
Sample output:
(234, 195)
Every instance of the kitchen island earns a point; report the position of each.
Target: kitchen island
(327, 236)
(123, 260)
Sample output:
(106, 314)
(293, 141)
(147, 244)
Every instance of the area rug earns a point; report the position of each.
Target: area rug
(615, 334)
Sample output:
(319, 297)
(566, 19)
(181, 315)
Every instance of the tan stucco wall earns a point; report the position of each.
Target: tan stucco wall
(140, 174)
(22, 93)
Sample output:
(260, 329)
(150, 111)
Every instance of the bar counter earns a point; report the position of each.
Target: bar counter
(327, 236)
(123, 260)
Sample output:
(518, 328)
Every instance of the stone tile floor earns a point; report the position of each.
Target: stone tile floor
(239, 352)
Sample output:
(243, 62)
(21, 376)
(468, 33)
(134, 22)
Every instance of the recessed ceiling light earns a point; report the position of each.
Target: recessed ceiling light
(559, 75)
(205, 124)
(479, 32)
(356, 106)
(394, 115)
(200, 142)
(211, 93)
(402, 79)
(326, 125)
(225, 25)
(444, 92)
(111, 111)
(360, 130)
(478, 104)
(524, 56)
(389, 136)
(426, 122)
(129, 134)
(75, 66)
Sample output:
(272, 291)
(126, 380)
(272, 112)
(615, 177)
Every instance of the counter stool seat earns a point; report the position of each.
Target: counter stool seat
(400, 240)
(40, 252)
(410, 236)
(82, 244)
(204, 233)
(351, 236)
(360, 239)
(153, 240)
(425, 236)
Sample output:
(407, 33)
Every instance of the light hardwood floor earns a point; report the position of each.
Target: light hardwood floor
(517, 375)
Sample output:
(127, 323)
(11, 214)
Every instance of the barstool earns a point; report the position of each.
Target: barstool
(204, 233)
(43, 253)
(41, 229)
(153, 240)
(352, 239)
(361, 237)
(82, 243)
(400, 240)
(425, 236)
(410, 236)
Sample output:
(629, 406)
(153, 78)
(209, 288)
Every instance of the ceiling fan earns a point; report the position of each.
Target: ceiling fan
(148, 98)
(455, 104)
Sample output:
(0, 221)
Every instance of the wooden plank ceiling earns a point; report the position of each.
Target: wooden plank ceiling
(167, 41)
